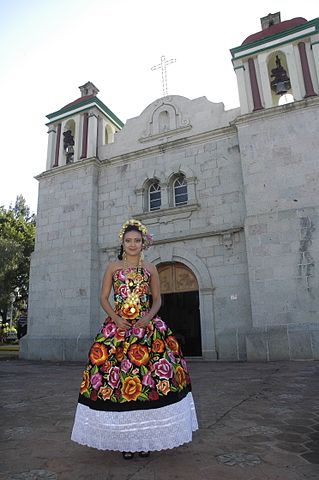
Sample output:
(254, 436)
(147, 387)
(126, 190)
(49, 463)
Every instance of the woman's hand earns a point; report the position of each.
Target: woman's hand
(121, 323)
(142, 322)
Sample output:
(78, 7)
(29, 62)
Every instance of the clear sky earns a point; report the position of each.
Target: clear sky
(50, 47)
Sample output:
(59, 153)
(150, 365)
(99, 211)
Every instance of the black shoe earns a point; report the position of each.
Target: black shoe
(144, 454)
(128, 455)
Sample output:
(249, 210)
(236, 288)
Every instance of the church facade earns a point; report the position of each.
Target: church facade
(231, 198)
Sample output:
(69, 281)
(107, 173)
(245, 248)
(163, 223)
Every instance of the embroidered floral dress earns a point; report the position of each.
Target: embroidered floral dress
(136, 392)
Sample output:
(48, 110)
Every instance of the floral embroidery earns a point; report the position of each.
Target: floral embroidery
(138, 364)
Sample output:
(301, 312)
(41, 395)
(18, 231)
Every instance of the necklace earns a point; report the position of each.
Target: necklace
(132, 306)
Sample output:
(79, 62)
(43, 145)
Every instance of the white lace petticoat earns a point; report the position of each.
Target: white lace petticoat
(136, 430)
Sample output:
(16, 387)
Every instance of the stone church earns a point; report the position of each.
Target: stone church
(231, 198)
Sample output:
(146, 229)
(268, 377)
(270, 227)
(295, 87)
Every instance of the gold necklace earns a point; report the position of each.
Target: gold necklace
(132, 306)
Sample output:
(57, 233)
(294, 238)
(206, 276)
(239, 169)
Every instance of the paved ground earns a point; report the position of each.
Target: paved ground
(257, 422)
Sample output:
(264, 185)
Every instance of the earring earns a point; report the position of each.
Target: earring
(124, 256)
(142, 255)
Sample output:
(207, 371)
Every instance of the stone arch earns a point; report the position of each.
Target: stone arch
(166, 253)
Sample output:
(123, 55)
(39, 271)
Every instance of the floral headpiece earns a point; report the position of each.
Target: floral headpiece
(147, 237)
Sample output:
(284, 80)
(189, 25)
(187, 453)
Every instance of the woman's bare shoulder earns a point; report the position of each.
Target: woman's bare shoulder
(150, 267)
(113, 266)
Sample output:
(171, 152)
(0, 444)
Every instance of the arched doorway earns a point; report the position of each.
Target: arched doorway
(180, 305)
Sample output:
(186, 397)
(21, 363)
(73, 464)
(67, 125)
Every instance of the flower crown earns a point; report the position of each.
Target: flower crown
(147, 237)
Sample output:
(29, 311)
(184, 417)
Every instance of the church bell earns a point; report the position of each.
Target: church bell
(281, 82)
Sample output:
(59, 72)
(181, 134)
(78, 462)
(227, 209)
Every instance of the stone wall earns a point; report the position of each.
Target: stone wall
(64, 287)
(279, 154)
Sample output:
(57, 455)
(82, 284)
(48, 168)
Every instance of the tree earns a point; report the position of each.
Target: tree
(17, 234)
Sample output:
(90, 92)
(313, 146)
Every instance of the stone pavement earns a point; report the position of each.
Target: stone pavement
(257, 422)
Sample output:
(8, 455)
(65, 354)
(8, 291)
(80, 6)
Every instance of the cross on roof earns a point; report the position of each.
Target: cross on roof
(162, 65)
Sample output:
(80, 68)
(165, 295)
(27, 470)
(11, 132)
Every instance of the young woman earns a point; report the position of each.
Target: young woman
(135, 395)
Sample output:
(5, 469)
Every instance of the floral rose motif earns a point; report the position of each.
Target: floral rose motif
(138, 354)
(121, 275)
(148, 380)
(108, 330)
(172, 357)
(96, 381)
(159, 324)
(130, 311)
(98, 354)
(131, 388)
(138, 332)
(119, 354)
(106, 392)
(163, 369)
(184, 364)
(122, 290)
(120, 334)
(125, 365)
(93, 395)
(163, 386)
(85, 382)
(114, 377)
(158, 345)
(172, 344)
(105, 368)
(180, 376)
(153, 395)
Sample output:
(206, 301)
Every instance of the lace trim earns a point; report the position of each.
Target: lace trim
(138, 430)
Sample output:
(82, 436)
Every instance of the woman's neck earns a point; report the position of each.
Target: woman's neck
(132, 261)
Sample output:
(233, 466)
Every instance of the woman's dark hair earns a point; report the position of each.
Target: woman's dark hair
(129, 228)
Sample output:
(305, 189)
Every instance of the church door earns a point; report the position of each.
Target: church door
(180, 305)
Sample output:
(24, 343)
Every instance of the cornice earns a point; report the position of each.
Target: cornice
(59, 170)
(188, 236)
(311, 102)
(196, 139)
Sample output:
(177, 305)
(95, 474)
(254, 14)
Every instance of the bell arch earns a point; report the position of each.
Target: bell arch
(279, 78)
(69, 140)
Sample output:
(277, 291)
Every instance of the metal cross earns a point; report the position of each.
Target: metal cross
(162, 65)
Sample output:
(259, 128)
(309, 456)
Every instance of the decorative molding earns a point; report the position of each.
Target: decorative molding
(223, 132)
(157, 215)
(60, 169)
(311, 102)
(167, 133)
(180, 238)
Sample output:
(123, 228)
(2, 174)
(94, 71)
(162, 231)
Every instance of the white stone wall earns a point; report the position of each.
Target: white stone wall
(64, 287)
(249, 231)
(279, 151)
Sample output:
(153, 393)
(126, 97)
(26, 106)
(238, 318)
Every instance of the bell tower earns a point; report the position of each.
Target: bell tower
(279, 64)
(79, 128)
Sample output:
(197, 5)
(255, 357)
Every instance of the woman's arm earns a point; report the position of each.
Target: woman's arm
(104, 299)
(156, 297)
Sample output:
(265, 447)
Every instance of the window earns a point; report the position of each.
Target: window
(180, 191)
(154, 196)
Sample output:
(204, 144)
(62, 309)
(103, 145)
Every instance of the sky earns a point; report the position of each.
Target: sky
(48, 48)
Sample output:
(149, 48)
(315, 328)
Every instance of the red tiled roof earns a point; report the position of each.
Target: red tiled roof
(273, 29)
(78, 100)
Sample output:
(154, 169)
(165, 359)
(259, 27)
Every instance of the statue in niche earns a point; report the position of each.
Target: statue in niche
(68, 145)
(164, 121)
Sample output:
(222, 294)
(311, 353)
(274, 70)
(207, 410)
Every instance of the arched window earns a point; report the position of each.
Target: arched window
(154, 196)
(180, 191)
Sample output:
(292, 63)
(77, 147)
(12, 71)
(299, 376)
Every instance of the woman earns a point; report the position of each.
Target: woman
(136, 392)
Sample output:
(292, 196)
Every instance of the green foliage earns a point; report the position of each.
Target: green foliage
(17, 234)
